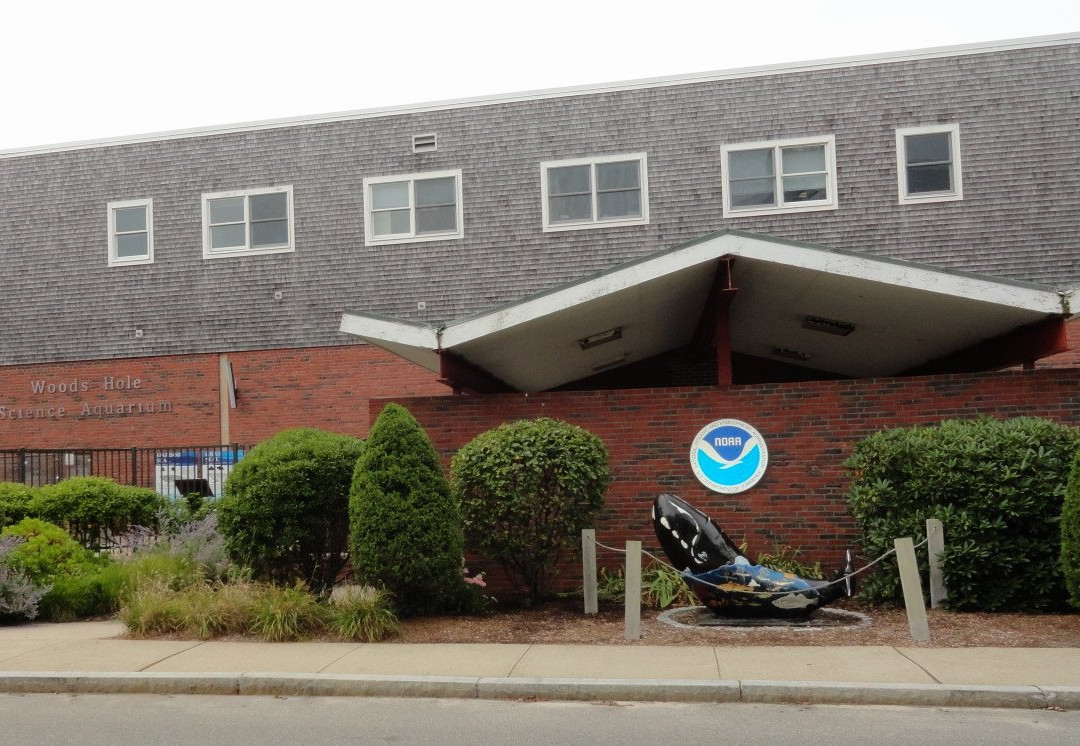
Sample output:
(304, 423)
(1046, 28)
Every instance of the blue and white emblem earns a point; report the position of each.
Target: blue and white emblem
(728, 456)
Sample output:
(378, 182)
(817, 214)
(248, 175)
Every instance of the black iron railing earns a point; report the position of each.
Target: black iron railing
(171, 471)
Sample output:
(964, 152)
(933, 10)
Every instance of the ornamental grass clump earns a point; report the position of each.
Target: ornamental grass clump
(285, 614)
(361, 613)
(526, 490)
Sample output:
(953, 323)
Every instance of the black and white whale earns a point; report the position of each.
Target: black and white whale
(724, 580)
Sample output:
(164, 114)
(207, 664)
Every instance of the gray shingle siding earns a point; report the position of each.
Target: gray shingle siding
(1018, 111)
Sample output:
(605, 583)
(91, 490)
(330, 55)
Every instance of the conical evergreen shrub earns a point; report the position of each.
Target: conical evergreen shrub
(405, 528)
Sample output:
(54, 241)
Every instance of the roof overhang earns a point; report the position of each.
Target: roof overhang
(903, 316)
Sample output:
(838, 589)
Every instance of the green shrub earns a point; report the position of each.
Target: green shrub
(786, 559)
(19, 595)
(285, 509)
(75, 576)
(95, 509)
(1070, 533)
(526, 490)
(361, 613)
(14, 502)
(996, 485)
(406, 533)
(663, 586)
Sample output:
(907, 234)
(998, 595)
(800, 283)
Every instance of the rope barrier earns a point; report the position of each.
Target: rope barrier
(842, 579)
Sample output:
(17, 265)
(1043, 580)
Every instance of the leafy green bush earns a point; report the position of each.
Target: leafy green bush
(95, 509)
(996, 485)
(361, 613)
(14, 502)
(786, 559)
(19, 595)
(406, 533)
(526, 490)
(663, 586)
(50, 556)
(285, 509)
(1070, 533)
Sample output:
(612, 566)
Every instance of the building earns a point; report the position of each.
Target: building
(809, 232)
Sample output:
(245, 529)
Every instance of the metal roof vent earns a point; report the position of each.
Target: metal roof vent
(829, 326)
(426, 143)
(791, 354)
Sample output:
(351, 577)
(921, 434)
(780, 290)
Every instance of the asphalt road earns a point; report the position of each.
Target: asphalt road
(192, 719)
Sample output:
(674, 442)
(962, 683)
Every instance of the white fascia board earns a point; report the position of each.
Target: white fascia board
(760, 249)
(376, 329)
(897, 274)
(552, 93)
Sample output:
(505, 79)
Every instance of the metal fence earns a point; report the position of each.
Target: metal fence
(173, 472)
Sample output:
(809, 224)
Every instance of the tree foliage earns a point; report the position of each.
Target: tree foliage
(996, 485)
(285, 513)
(1070, 533)
(526, 490)
(406, 531)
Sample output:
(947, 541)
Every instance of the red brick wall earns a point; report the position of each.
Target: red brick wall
(325, 387)
(809, 430)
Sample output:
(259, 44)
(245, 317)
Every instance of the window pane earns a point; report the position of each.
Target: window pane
(804, 188)
(937, 178)
(623, 175)
(570, 208)
(436, 219)
(803, 160)
(270, 233)
(391, 222)
(569, 180)
(387, 196)
(928, 148)
(749, 164)
(435, 192)
(227, 236)
(132, 245)
(269, 206)
(130, 219)
(227, 210)
(752, 192)
(618, 204)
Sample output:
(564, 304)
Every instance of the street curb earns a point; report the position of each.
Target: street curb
(465, 687)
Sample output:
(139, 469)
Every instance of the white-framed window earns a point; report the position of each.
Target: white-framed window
(595, 192)
(928, 164)
(247, 221)
(413, 207)
(131, 232)
(778, 176)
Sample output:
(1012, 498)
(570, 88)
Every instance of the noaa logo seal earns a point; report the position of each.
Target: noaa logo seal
(728, 456)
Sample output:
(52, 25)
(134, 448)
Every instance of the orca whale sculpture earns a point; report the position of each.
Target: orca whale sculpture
(725, 582)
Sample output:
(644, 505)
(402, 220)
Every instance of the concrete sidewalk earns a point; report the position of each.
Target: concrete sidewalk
(90, 657)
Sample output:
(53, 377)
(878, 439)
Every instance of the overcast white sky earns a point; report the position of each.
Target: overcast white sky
(78, 70)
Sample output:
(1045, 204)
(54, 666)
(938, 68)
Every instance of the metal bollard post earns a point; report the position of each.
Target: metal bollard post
(912, 585)
(588, 569)
(633, 590)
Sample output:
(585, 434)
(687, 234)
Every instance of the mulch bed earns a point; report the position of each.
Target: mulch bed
(561, 621)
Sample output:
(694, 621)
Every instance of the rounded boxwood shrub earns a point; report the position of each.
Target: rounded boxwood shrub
(14, 502)
(997, 486)
(1070, 533)
(406, 533)
(526, 490)
(284, 512)
(94, 509)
